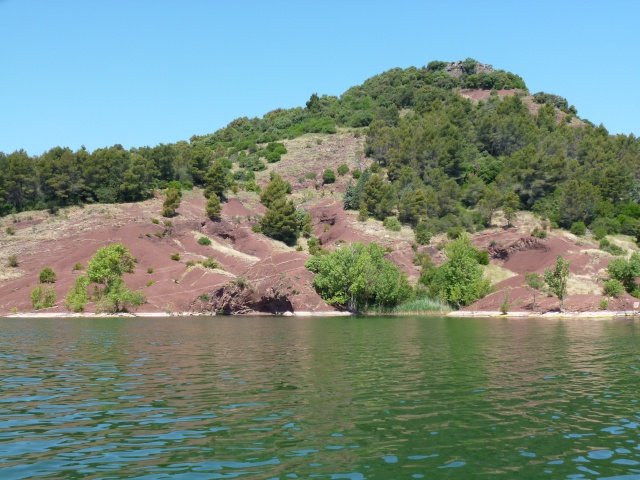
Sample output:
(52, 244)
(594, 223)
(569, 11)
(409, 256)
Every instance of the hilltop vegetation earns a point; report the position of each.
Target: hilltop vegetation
(439, 162)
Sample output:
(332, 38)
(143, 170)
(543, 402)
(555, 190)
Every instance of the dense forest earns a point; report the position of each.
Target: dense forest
(443, 163)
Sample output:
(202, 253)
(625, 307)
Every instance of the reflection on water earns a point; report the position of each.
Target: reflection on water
(278, 398)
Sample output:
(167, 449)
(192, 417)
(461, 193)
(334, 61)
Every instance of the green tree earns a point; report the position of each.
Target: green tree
(535, 283)
(343, 169)
(217, 180)
(106, 268)
(276, 189)
(459, 280)
(280, 221)
(510, 205)
(213, 210)
(171, 202)
(356, 277)
(557, 279)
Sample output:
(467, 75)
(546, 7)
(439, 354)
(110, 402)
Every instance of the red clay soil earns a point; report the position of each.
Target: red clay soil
(273, 269)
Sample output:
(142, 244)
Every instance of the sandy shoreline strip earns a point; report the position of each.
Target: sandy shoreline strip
(164, 314)
(459, 314)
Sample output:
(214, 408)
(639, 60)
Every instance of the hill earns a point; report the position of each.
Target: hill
(439, 150)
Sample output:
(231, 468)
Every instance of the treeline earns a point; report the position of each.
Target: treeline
(62, 177)
(449, 164)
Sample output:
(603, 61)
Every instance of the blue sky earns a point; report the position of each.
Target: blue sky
(143, 72)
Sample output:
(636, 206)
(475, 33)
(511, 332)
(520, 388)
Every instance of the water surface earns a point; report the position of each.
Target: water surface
(278, 398)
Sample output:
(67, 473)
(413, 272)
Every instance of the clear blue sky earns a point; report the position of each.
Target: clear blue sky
(143, 72)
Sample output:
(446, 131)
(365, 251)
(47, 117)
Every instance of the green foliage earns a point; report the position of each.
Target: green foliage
(213, 209)
(539, 233)
(328, 176)
(206, 241)
(356, 277)
(106, 268)
(626, 272)
(578, 228)
(343, 170)
(171, 202)
(392, 223)
(612, 248)
(459, 280)
(483, 257)
(109, 264)
(613, 288)
(303, 220)
(557, 280)
(211, 263)
(12, 261)
(217, 181)
(535, 283)
(423, 233)
(280, 221)
(77, 296)
(510, 205)
(77, 266)
(175, 257)
(10, 231)
(276, 189)
(47, 275)
(43, 296)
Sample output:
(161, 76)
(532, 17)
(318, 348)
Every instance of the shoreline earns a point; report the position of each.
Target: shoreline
(496, 314)
(168, 315)
(459, 314)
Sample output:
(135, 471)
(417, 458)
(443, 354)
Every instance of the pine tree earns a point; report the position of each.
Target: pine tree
(213, 208)
(280, 221)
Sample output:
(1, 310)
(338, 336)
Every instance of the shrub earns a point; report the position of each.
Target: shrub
(612, 248)
(454, 232)
(310, 175)
(459, 281)
(328, 176)
(423, 233)
(343, 170)
(149, 283)
(626, 272)
(175, 256)
(190, 263)
(211, 263)
(77, 266)
(612, 288)
(604, 304)
(392, 223)
(206, 241)
(483, 257)
(578, 228)
(43, 297)
(149, 270)
(356, 174)
(155, 221)
(12, 261)
(357, 277)
(10, 231)
(47, 275)
(538, 233)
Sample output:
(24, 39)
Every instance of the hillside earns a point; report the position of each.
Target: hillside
(433, 151)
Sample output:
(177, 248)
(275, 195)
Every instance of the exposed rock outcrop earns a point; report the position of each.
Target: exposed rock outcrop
(524, 243)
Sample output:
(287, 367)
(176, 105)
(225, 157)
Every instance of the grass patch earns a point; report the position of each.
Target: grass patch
(416, 306)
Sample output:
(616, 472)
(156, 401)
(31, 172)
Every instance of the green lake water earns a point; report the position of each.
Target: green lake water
(337, 398)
